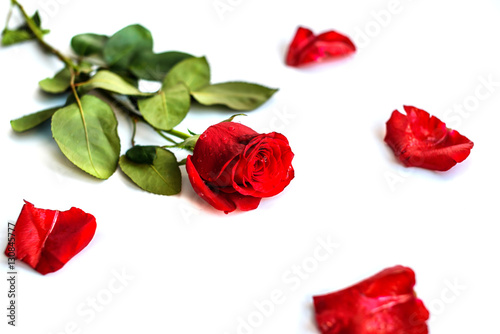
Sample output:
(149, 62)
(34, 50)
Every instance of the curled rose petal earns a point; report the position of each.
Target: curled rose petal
(307, 48)
(47, 239)
(234, 167)
(421, 140)
(382, 304)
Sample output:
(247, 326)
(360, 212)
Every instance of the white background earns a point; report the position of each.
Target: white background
(192, 269)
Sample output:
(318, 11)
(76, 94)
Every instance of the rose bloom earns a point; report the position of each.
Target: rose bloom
(233, 166)
(384, 303)
(421, 140)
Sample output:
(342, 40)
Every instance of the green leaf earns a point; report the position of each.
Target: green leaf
(111, 82)
(235, 95)
(193, 72)
(88, 44)
(154, 66)
(162, 177)
(10, 37)
(23, 33)
(88, 136)
(58, 84)
(167, 108)
(124, 45)
(32, 120)
(142, 154)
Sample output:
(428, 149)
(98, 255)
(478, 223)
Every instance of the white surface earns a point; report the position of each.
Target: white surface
(196, 270)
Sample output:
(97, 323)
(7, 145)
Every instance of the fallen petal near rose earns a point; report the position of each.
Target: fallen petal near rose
(420, 140)
(382, 304)
(307, 48)
(234, 167)
(47, 239)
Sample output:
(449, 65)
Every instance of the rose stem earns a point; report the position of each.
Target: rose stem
(73, 68)
(39, 36)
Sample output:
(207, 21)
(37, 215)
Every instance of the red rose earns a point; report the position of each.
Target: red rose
(46, 239)
(419, 140)
(233, 166)
(307, 48)
(382, 304)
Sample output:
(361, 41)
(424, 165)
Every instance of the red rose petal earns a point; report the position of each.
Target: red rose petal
(221, 200)
(47, 239)
(421, 140)
(384, 303)
(307, 48)
(218, 145)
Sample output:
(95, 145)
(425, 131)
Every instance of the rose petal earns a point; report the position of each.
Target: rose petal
(419, 140)
(221, 200)
(384, 303)
(306, 48)
(72, 232)
(277, 176)
(47, 239)
(217, 200)
(217, 145)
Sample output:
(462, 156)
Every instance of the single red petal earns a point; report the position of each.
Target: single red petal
(384, 303)
(47, 239)
(217, 200)
(421, 140)
(307, 48)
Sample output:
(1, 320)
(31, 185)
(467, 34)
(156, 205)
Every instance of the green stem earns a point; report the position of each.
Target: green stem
(178, 134)
(39, 36)
(165, 137)
(134, 130)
